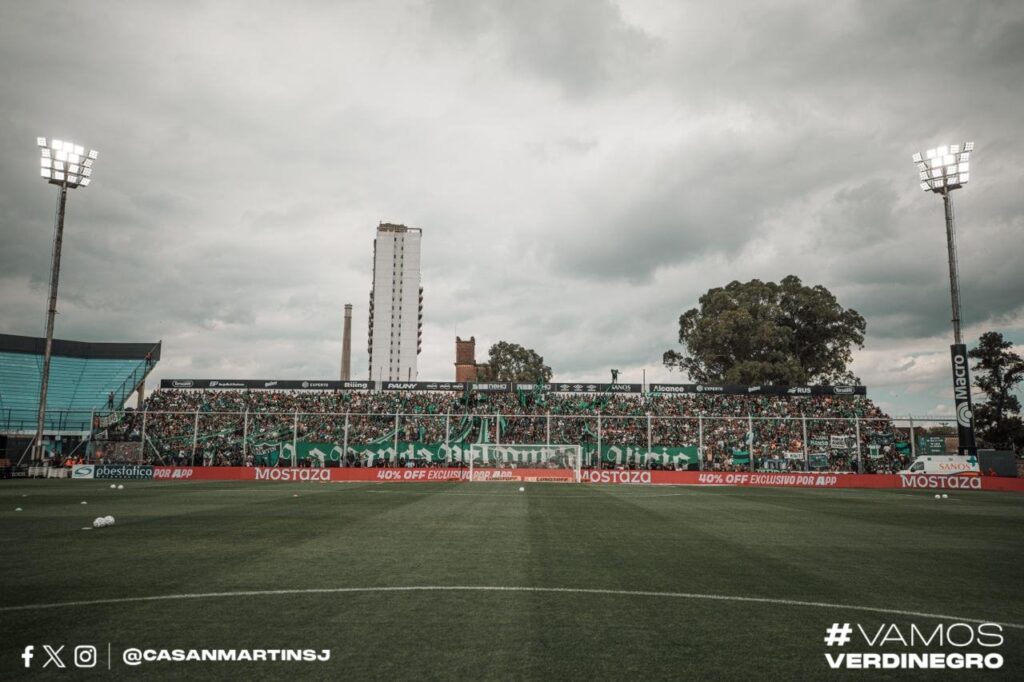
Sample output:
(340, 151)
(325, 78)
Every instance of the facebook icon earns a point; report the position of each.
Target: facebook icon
(27, 656)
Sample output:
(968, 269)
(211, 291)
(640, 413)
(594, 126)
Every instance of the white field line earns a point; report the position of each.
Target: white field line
(485, 588)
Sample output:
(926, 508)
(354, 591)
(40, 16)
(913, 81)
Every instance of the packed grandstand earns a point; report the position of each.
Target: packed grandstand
(436, 428)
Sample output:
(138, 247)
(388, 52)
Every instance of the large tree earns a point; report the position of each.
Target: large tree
(512, 362)
(768, 333)
(997, 372)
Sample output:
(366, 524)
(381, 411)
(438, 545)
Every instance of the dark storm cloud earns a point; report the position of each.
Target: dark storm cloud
(582, 171)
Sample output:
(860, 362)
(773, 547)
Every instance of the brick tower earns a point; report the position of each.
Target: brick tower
(465, 359)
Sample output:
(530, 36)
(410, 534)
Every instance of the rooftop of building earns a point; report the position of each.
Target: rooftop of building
(395, 227)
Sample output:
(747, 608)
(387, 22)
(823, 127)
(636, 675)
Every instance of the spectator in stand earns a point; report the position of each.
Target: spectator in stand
(239, 427)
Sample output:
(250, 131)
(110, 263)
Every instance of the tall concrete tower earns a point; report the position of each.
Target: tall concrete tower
(396, 304)
(346, 345)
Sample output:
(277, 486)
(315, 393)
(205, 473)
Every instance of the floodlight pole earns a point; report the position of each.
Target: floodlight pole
(961, 369)
(954, 278)
(51, 311)
(942, 170)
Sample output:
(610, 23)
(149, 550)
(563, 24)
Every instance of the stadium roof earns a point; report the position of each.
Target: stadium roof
(12, 343)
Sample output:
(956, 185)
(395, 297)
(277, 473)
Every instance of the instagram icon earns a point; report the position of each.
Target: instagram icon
(85, 656)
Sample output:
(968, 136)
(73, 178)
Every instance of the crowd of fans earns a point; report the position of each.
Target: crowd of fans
(209, 427)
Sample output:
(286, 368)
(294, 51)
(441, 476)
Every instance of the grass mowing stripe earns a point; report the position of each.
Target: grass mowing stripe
(500, 588)
(591, 581)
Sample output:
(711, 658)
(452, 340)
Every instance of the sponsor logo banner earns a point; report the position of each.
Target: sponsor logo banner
(962, 397)
(757, 390)
(423, 386)
(603, 476)
(267, 384)
(83, 471)
(492, 387)
(132, 471)
(591, 388)
(931, 445)
(505, 387)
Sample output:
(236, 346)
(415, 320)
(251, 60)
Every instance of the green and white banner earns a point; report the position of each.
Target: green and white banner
(628, 454)
(326, 454)
(330, 454)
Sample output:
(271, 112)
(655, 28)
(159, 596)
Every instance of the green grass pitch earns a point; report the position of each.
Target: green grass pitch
(902, 551)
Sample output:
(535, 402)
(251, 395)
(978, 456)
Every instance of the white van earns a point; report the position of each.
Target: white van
(944, 465)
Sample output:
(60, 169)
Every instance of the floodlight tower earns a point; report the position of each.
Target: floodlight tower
(66, 165)
(942, 170)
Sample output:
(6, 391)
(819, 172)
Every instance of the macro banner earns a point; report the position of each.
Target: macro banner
(962, 396)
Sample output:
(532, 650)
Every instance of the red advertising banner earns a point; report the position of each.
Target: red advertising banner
(359, 474)
(600, 476)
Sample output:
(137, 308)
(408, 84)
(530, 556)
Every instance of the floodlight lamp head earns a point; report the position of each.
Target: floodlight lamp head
(944, 168)
(65, 163)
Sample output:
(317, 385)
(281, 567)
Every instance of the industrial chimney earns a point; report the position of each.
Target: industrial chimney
(346, 345)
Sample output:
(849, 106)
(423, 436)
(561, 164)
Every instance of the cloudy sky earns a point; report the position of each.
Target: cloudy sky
(582, 171)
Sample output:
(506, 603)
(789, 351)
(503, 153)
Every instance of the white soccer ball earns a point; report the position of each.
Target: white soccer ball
(109, 520)
(84, 502)
(945, 496)
(113, 485)
(17, 509)
(120, 487)
(522, 489)
(937, 496)
(99, 522)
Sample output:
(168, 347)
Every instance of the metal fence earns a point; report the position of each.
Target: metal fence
(737, 442)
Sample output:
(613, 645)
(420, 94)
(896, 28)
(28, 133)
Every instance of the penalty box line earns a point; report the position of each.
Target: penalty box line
(495, 588)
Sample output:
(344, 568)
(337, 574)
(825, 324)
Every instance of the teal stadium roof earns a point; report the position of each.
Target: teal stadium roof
(82, 377)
